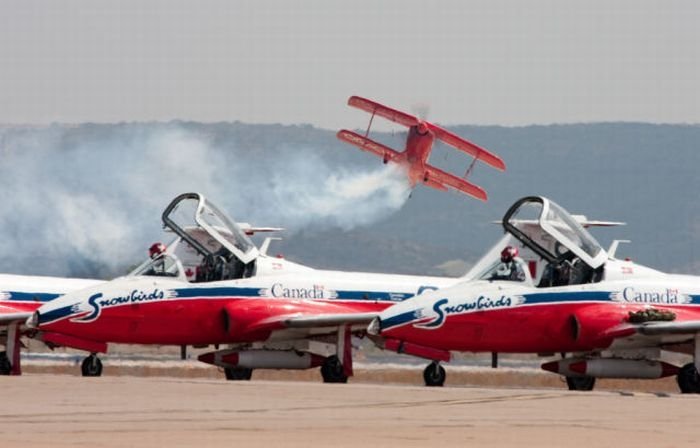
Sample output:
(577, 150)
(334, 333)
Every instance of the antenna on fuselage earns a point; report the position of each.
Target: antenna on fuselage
(614, 245)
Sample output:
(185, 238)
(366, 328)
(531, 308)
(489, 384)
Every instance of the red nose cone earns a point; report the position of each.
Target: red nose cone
(551, 366)
(578, 367)
(207, 358)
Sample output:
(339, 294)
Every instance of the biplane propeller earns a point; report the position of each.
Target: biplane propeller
(419, 144)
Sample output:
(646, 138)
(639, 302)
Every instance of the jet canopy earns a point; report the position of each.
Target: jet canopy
(552, 233)
(207, 229)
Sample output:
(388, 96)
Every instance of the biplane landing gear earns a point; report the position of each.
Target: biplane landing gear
(582, 383)
(238, 373)
(332, 370)
(91, 366)
(688, 379)
(434, 375)
(5, 365)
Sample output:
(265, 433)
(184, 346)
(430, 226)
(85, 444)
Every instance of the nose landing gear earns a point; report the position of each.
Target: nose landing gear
(91, 366)
(434, 375)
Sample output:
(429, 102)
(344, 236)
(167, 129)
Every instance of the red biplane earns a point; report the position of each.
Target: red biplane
(419, 143)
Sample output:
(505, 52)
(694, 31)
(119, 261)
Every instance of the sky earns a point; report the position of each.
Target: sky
(506, 62)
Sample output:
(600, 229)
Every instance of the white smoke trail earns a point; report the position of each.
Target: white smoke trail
(87, 200)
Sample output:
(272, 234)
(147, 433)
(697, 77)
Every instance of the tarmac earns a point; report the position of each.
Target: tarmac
(41, 410)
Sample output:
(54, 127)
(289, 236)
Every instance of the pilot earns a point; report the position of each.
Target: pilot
(156, 252)
(509, 268)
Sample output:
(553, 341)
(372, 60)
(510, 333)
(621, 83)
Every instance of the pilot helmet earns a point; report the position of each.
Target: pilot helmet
(508, 254)
(156, 250)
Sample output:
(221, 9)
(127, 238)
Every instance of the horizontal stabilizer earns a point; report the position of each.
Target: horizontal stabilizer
(366, 144)
(470, 148)
(435, 175)
(379, 109)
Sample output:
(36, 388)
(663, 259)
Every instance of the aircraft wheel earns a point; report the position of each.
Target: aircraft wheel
(583, 383)
(332, 371)
(434, 375)
(91, 366)
(238, 373)
(688, 379)
(5, 365)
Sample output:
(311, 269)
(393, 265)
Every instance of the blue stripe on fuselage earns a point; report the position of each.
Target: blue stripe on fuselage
(578, 296)
(22, 296)
(228, 291)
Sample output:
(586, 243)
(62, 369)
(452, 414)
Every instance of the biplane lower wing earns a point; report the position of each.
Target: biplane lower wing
(470, 148)
(436, 178)
(365, 144)
(386, 112)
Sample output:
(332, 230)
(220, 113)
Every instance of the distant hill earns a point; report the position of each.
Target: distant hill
(86, 199)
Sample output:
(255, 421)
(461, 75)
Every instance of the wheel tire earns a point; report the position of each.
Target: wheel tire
(238, 373)
(91, 366)
(332, 371)
(434, 375)
(688, 379)
(580, 383)
(5, 364)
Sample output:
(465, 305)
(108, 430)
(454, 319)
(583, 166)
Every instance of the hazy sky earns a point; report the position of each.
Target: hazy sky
(484, 62)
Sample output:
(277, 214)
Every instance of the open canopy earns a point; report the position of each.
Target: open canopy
(551, 232)
(191, 213)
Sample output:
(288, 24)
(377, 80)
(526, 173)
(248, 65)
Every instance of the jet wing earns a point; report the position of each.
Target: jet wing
(383, 111)
(9, 317)
(330, 320)
(16, 311)
(674, 327)
(368, 145)
(436, 178)
(470, 148)
(259, 317)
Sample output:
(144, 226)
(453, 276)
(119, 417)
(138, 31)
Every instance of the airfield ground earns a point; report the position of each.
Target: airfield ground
(55, 410)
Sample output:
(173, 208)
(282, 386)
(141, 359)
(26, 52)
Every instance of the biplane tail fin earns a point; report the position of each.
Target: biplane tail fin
(366, 144)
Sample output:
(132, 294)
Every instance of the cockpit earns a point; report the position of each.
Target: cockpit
(209, 246)
(555, 248)
(571, 254)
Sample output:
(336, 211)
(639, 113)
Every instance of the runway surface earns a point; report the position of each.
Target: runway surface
(62, 411)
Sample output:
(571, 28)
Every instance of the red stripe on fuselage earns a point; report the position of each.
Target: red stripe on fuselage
(534, 328)
(196, 321)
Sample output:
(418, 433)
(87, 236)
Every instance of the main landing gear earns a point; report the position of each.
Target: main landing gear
(434, 375)
(337, 368)
(5, 365)
(332, 370)
(582, 383)
(688, 379)
(91, 366)
(238, 373)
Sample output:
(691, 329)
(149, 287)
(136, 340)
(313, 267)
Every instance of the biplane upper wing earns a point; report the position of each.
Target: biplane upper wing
(387, 112)
(470, 148)
(366, 144)
(439, 179)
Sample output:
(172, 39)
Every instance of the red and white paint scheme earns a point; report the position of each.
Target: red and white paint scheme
(615, 318)
(419, 144)
(20, 296)
(212, 286)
